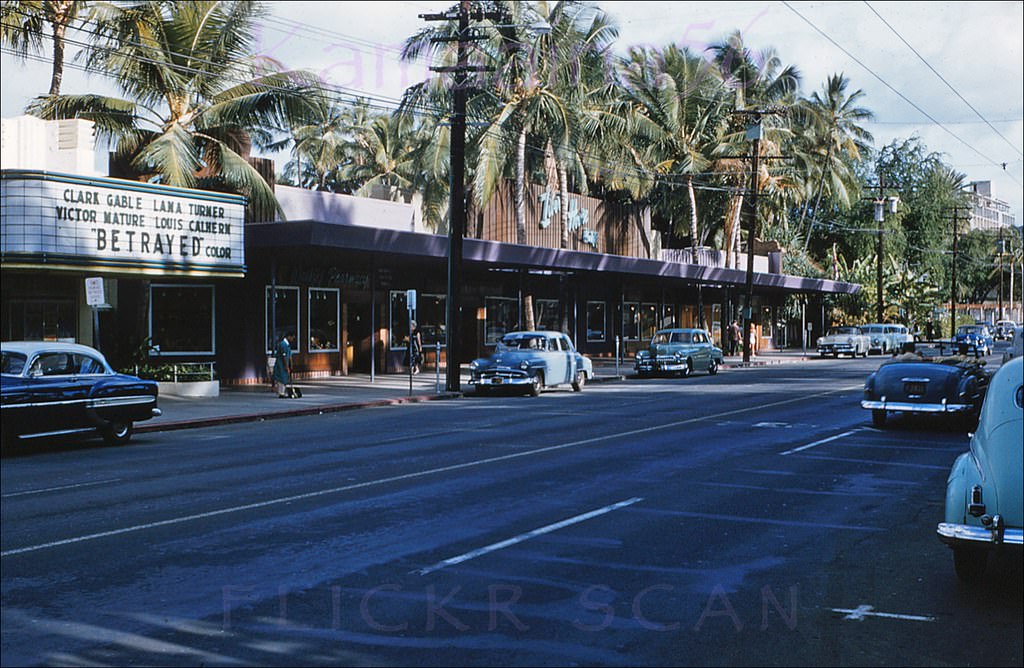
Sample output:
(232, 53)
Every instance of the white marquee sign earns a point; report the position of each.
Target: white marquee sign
(112, 223)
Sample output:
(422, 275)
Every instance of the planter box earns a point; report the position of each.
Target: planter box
(202, 388)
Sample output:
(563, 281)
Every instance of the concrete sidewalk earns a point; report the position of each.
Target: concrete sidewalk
(339, 393)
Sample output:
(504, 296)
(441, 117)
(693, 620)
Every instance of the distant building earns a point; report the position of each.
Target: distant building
(987, 212)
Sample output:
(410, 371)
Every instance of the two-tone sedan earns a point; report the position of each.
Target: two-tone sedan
(51, 389)
(679, 351)
(844, 341)
(984, 495)
(976, 335)
(932, 377)
(531, 361)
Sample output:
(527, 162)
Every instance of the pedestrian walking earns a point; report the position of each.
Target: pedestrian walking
(283, 368)
(734, 337)
(414, 355)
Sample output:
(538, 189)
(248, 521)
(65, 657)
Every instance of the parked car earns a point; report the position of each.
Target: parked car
(49, 389)
(680, 351)
(1016, 348)
(844, 341)
(929, 377)
(532, 360)
(1004, 330)
(984, 494)
(975, 335)
(899, 334)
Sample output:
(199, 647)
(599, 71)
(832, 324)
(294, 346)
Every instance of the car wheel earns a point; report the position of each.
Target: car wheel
(687, 369)
(581, 380)
(970, 564)
(118, 433)
(713, 366)
(536, 384)
(878, 417)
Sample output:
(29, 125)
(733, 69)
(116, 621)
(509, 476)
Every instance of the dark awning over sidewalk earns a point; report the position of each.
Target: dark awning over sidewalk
(312, 234)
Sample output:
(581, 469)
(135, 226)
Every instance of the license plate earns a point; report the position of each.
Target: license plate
(914, 388)
(496, 381)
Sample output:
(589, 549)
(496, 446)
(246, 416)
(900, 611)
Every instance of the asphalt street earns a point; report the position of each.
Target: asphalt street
(750, 518)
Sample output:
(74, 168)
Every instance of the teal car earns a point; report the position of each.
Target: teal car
(679, 351)
(984, 494)
(531, 361)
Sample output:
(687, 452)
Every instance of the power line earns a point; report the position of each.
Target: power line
(943, 79)
(894, 90)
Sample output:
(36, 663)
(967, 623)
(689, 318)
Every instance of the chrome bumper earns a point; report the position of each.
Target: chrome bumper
(652, 365)
(954, 534)
(914, 408)
(500, 380)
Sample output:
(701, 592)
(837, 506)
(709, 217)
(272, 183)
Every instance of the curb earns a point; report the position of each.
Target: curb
(298, 412)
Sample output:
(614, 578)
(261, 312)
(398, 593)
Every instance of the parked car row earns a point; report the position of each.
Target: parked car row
(886, 338)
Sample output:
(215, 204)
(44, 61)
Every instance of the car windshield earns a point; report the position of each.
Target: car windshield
(872, 329)
(523, 343)
(971, 329)
(671, 337)
(842, 331)
(12, 363)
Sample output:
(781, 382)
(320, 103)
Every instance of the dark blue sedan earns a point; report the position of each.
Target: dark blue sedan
(52, 389)
(978, 336)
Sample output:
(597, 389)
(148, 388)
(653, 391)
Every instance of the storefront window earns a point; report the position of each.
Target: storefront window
(648, 320)
(595, 321)
(546, 311)
(284, 304)
(429, 316)
(668, 316)
(766, 322)
(323, 320)
(41, 320)
(502, 314)
(631, 322)
(181, 319)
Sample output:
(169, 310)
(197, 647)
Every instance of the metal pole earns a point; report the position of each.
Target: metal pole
(755, 130)
(1000, 274)
(457, 206)
(437, 366)
(412, 361)
(880, 218)
(373, 321)
(952, 296)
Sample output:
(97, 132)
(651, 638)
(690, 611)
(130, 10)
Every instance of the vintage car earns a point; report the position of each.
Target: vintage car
(844, 341)
(680, 351)
(532, 361)
(983, 493)
(1004, 330)
(51, 388)
(929, 377)
(880, 338)
(975, 335)
(1016, 347)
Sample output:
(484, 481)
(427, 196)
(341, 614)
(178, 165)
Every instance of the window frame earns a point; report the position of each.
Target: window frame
(271, 346)
(309, 320)
(213, 319)
(604, 322)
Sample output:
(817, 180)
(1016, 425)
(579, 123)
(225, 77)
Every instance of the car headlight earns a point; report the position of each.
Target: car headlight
(524, 365)
(849, 339)
(474, 365)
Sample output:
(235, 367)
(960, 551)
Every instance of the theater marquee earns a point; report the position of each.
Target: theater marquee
(61, 221)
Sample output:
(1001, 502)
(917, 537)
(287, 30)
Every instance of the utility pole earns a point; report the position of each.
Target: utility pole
(953, 291)
(1001, 249)
(457, 188)
(754, 133)
(882, 204)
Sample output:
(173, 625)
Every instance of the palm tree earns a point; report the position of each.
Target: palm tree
(679, 105)
(196, 98)
(834, 123)
(23, 26)
(758, 81)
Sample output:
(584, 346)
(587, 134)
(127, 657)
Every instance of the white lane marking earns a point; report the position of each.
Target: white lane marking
(493, 547)
(861, 611)
(57, 489)
(821, 442)
(854, 460)
(774, 425)
(410, 476)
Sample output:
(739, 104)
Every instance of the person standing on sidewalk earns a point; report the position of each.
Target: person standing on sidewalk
(283, 367)
(734, 338)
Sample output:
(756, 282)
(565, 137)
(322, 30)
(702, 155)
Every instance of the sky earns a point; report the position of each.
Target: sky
(950, 73)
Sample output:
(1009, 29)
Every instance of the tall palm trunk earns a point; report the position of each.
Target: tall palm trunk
(563, 205)
(520, 188)
(693, 218)
(732, 232)
(817, 201)
(63, 12)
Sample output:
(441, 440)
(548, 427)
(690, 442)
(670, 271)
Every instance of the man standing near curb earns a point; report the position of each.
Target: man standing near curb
(734, 338)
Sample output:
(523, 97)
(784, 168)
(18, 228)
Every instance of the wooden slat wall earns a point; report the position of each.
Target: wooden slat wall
(616, 225)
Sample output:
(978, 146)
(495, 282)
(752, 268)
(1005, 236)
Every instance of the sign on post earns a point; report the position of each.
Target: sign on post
(410, 300)
(94, 295)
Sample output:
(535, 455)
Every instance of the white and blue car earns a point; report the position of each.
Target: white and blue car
(532, 361)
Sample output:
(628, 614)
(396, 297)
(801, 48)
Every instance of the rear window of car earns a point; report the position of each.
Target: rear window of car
(12, 363)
